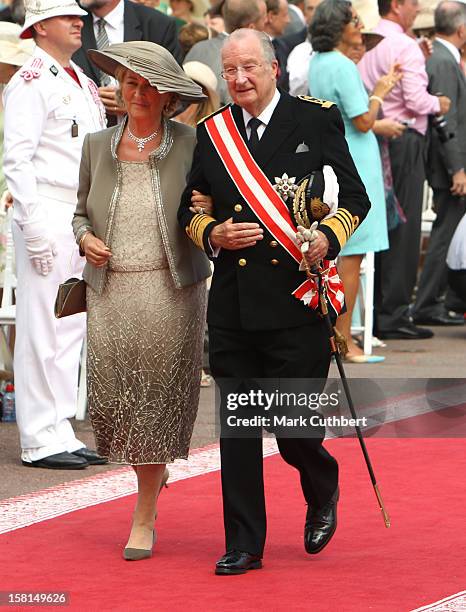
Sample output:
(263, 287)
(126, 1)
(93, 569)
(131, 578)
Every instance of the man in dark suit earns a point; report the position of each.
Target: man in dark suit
(116, 21)
(275, 25)
(257, 328)
(447, 162)
(236, 14)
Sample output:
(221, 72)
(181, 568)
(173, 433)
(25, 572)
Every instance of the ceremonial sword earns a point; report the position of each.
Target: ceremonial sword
(313, 273)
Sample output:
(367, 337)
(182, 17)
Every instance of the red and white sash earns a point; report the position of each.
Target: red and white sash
(267, 204)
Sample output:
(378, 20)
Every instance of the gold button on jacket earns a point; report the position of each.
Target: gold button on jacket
(273, 243)
(242, 262)
(238, 208)
(274, 262)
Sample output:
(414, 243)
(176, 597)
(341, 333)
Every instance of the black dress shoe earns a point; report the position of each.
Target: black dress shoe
(60, 461)
(320, 525)
(407, 331)
(90, 456)
(447, 317)
(237, 562)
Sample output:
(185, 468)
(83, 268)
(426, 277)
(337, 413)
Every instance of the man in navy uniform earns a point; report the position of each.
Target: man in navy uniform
(257, 328)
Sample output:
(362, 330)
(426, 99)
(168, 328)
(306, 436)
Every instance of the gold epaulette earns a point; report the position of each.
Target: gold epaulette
(342, 224)
(322, 103)
(196, 228)
(222, 108)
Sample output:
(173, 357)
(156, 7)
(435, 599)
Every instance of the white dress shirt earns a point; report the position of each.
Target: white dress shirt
(114, 24)
(298, 68)
(265, 116)
(451, 47)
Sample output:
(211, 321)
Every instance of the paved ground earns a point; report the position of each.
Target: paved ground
(444, 356)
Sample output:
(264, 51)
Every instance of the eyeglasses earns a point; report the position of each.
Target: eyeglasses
(356, 21)
(230, 74)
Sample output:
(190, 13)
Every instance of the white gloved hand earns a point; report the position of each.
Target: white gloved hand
(40, 248)
(304, 237)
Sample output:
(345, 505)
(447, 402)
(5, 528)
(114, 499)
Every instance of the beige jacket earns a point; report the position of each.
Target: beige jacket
(99, 192)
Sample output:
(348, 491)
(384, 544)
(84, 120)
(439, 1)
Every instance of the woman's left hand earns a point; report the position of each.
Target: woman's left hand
(201, 204)
(387, 82)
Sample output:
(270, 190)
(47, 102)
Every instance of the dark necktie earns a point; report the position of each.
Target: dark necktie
(253, 142)
(102, 42)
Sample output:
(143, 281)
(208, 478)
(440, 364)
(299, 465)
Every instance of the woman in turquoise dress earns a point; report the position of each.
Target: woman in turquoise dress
(335, 30)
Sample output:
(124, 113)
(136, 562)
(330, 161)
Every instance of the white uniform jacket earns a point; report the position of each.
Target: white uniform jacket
(47, 115)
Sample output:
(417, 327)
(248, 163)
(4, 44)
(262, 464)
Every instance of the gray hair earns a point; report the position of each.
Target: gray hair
(449, 16)
(266, 44)
(330, 19)
(240, 14)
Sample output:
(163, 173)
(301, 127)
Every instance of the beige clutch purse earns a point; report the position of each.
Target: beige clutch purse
(71, 298)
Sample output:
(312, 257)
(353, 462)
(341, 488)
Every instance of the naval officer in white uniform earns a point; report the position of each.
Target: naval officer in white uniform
(50, 105)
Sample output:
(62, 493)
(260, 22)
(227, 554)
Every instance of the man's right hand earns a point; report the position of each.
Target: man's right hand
(458, 187)
(235, 236)
(41, 251)
(445, 104)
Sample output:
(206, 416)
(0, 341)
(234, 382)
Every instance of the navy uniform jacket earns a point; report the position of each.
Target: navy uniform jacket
(251, 288)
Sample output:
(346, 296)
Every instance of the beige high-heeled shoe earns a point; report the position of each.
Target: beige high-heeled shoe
(137, 554)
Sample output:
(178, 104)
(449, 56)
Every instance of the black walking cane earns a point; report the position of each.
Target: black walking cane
(323, 300)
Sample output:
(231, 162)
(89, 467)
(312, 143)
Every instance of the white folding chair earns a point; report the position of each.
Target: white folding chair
(82, 385)
(7, 307)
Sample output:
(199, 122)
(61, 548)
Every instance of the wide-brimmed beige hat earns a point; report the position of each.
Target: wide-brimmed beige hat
(13, 51)
(368, 11)
(425, 18)
(38, 10)
(202, 74)
(152, 62)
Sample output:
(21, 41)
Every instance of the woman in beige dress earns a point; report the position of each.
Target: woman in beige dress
(145, 280)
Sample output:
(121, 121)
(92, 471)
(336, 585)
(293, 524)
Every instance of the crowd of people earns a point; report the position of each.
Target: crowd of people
(316, 132)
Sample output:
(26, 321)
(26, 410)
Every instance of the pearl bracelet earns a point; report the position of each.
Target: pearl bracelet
(378, 98)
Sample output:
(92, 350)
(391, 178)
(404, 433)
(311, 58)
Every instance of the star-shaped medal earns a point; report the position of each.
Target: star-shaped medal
(285, 186)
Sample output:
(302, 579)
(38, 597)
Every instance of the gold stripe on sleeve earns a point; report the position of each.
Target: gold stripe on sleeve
(196, 228)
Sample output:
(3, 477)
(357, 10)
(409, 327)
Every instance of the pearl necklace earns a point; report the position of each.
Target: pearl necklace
(141, 142)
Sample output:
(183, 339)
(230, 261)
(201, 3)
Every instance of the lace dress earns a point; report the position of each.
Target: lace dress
(144, 339)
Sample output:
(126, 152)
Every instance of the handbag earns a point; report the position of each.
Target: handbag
(71, 298)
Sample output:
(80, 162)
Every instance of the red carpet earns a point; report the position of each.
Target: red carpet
(419, 560)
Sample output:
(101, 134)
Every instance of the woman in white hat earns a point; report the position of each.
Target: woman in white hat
(202, 75)
(13, 53)
(146, 293)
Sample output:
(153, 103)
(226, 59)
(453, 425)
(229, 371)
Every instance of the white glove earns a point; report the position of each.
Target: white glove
(331, 190)
(304, 237)
(41, 249)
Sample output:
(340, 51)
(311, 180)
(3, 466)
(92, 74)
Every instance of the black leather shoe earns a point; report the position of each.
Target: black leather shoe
(90, 456)
(320, 525)
(60, 461)
(408, 331)
(237, 562)
(447, 317)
